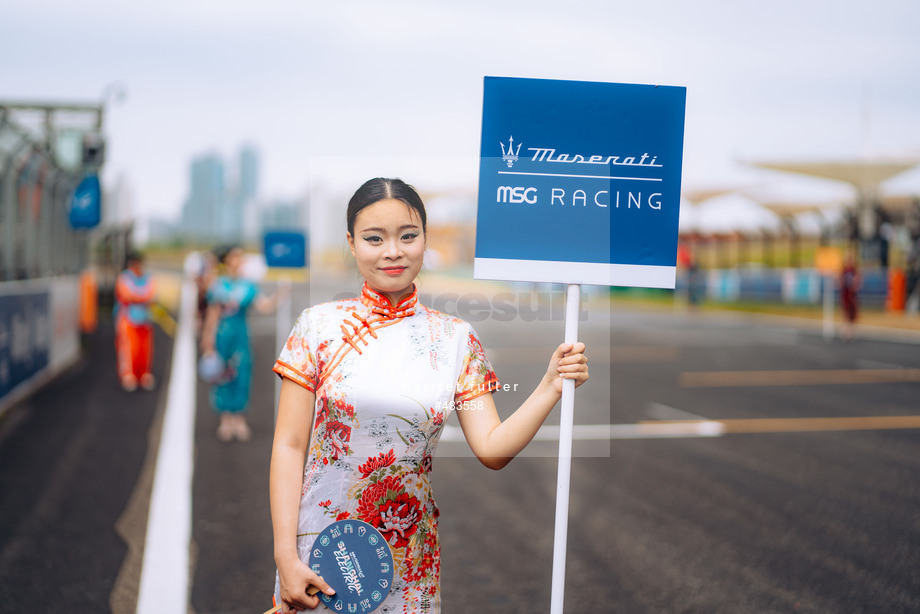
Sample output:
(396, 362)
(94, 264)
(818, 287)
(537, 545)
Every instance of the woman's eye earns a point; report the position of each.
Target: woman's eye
(409, 236)
(373, 239)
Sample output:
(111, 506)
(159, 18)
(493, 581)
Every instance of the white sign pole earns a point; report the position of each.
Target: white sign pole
(566, 421)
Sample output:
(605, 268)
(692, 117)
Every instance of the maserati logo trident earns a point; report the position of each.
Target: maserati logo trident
(511, 155)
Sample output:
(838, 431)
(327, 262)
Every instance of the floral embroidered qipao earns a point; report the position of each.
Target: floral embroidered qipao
(386, 379)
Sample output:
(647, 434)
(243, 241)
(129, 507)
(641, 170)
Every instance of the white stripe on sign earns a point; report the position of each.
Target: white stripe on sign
(591, 273)
(164, 580)
(607, 177)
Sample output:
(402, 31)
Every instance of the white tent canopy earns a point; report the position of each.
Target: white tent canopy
(864, 174)
(726, 212)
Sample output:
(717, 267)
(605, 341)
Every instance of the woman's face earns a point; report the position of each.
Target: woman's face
(234, 260)
(389, 246)
(137, 267)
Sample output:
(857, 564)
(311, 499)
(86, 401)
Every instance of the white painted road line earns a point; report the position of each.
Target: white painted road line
(601, 432)
(874, 364)
(714, 428)
(164, 584)
(593, 432)
(660, 411)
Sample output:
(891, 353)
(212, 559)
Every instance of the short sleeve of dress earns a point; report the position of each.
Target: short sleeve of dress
(476, 375)
(248, 295)
(297, 361)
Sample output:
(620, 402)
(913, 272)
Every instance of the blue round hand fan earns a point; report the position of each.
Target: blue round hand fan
(355, 560)
(211, 368)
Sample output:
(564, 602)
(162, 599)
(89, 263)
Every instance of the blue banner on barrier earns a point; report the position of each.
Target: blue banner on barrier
(25, 337)
(579, 182)
(86, 204)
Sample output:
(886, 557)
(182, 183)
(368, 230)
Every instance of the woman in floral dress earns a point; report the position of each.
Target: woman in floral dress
(374, 380)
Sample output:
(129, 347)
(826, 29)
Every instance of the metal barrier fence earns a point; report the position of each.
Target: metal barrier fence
(36, 239)
(47, 151)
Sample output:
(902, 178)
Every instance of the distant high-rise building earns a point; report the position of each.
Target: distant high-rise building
(243, 202)
(248, 177)
(202, 213)
(218, 208)
(282, 215)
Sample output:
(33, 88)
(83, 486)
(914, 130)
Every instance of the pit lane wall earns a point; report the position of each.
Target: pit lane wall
(39, 333)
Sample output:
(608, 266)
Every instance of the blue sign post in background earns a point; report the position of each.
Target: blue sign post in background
(285, 249)
(579, 182)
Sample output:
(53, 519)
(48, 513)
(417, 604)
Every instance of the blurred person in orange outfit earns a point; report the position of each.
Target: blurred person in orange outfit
(133, 326)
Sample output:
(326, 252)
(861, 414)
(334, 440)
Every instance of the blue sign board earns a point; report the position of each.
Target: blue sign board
(86, 204)
(286, 249)
(25, 337)
(579, 182)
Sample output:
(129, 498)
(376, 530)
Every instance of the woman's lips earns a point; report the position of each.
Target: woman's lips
(394, 271)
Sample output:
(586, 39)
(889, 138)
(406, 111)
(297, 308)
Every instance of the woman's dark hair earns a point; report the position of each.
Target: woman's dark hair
(133, 256)
(222, 251)
(381, 188)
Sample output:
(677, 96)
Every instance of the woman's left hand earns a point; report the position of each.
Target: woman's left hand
(568, 362)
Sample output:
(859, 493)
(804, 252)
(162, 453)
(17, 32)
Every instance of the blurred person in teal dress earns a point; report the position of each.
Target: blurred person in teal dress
(226, 333)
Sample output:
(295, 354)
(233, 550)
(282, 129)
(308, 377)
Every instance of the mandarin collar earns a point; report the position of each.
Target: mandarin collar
(380, 304)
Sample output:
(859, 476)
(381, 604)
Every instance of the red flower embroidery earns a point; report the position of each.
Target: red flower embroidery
(424, 559)
(338, 435)
(323, 412)
(374, 463)
(325, 503)
(373, 496)
(399, 519)
(475, 347)
(343, 516)
(343, 409)
(321, 354)
(426, 463)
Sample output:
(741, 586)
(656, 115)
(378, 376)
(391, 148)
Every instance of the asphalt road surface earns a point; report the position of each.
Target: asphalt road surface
(750, 467)
(71, 513)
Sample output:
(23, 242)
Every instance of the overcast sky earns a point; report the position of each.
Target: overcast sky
(788, 79)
